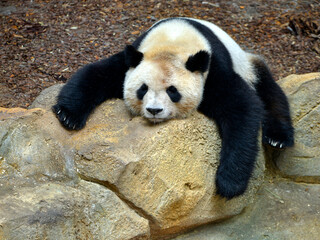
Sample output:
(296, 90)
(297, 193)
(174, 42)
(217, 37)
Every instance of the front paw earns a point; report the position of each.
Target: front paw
(68, 120)
(230, 185)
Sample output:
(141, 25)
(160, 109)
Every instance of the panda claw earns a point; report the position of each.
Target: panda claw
(59, 112)
(274, 143)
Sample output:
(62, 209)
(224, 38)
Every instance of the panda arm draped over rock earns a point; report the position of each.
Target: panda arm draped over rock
(180, 65)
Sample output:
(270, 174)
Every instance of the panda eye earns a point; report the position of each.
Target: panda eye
(142, 91)
(174, 94)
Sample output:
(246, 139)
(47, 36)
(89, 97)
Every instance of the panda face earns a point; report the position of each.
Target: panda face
(161, 88)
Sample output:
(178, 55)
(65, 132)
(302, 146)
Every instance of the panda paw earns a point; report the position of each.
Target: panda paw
(275, 143)
(229, 187)
(278, 134)
(68, 120)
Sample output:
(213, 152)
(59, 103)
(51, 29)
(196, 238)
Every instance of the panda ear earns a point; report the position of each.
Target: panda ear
(132, 56)
(198, 62)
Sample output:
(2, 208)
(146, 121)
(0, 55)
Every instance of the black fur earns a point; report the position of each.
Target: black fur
(142, 91)
(198, 62)
(174, 94)
(237, 109)
(238, 126)
(277, 127)
(89, 87)
(132, 56)
(238, 113)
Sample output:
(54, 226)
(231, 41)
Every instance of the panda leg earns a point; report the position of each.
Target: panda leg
(89, 87)
(277, 127)
(238, 112)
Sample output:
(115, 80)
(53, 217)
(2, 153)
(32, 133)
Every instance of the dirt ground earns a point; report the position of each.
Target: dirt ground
(43, 42)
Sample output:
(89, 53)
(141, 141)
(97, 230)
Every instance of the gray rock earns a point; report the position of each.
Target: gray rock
(59, 211)
(47, 97)
(303, 160)
(42, 197)
(29, 150)
(283, 210)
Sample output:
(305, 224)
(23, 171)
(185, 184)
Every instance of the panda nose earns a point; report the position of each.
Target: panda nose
(154, 111)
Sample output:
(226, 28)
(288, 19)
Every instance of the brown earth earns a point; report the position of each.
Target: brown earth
(43, 42)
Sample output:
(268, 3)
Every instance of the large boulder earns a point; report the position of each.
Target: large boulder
(163, 172)
(68, 211)
(303, 161)
(42, 197)
(166, 171)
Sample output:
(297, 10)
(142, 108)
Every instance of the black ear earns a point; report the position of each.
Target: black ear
(132, 56)
(198, 62)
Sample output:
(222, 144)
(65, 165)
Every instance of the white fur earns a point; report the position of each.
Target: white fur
(176, 36)
(159, 100)
(156, 97)
(190, 85)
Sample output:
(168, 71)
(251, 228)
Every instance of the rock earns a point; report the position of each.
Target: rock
(42, 197)
(283, 210)
(47, 97)
(28, 151)
(165, 172)
(56, 211)
(303, 161)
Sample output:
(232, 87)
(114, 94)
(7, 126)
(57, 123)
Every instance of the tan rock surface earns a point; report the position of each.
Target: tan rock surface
(166, 170)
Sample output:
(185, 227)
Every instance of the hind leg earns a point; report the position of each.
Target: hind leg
(277, 127)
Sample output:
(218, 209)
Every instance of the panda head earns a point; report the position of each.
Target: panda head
(162, 85)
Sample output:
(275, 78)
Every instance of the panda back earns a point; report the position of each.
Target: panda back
(242, 61)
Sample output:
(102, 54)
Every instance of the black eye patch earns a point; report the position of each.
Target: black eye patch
(174, 94)
(142, 91)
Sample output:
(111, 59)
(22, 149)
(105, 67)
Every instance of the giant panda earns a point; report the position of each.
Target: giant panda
(181, 65)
